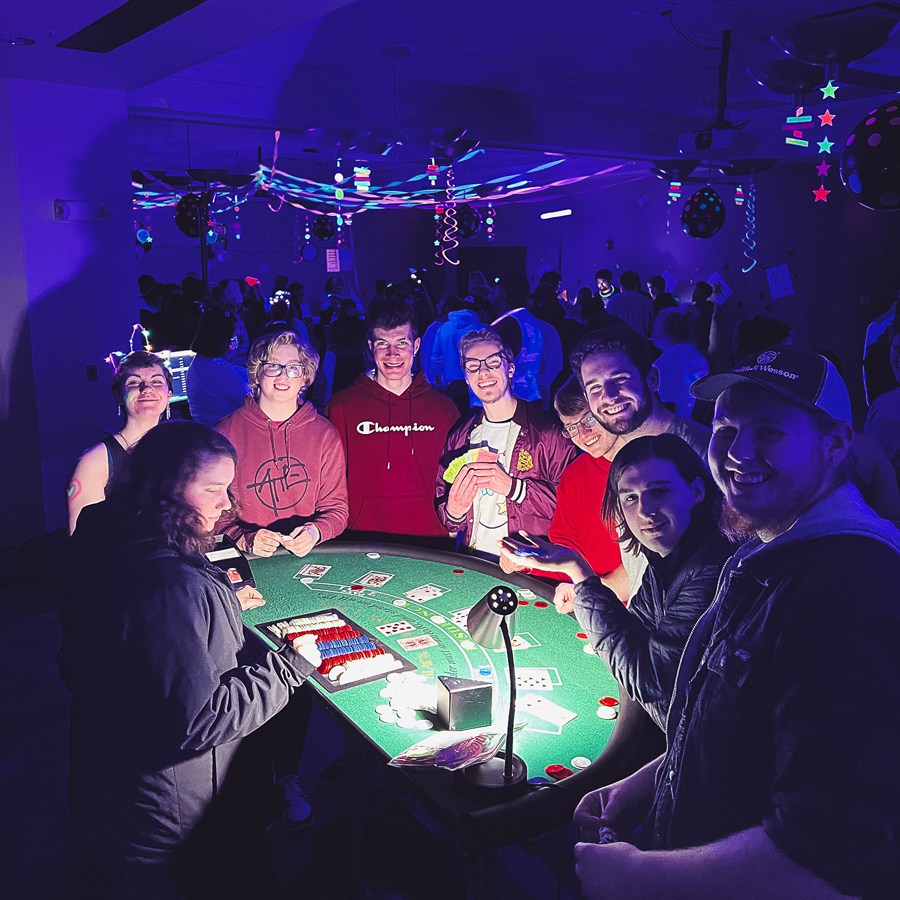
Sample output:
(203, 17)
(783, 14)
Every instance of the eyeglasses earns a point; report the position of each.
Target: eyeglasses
(472, 366)
(273, 370)
(587, 423)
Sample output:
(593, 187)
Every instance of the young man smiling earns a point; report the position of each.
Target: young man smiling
(392, 424)
(515, 487)
(761, 793)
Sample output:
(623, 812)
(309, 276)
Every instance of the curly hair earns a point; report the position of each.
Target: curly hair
(139, 359)
(615, 338)
(263, 348)
(163, 463)
(483, 336)
(690, 467)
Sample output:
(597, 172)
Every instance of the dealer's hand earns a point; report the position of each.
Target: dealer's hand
(266, 542)
(564, 597)
(509, 563)
(491, 475)
(301, 540)
(305, 645)
(250, 597)
(462, 492)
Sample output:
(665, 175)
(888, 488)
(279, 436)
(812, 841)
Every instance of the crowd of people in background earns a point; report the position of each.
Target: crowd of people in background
(721, 535)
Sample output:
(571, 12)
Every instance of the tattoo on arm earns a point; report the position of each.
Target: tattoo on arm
(73, 490)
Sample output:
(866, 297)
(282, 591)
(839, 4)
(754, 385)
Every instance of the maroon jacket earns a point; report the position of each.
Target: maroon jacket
(540, 454)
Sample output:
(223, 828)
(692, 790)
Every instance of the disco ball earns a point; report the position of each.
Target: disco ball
(870, 164)
(468, 222)
(703, 214)
(323, 228)
(187, 215)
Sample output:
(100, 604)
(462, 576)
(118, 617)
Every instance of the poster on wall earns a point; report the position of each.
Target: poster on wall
(338, 260)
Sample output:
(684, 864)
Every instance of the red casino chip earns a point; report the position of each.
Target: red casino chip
(608, 701)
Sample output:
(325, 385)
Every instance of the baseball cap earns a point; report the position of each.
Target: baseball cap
(799, 375)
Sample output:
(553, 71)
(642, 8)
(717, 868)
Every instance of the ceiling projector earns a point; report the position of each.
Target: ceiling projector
(718, 143)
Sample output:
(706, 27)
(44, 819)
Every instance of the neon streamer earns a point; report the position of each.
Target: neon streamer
(449, 242)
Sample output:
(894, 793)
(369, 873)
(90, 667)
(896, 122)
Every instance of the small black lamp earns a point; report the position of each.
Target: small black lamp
(491, 623)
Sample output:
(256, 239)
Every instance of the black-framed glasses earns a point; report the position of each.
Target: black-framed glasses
(473, 366)
(587, 424)
(273, 370)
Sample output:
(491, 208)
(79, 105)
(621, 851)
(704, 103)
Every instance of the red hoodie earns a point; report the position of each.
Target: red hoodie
(312, 487)
(392, 445)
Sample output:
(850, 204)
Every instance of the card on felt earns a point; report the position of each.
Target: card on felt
(426, 592)
(417, 643)
(545, 709)
(533, 679)
(374, 579)
(312, 570)
(389, 629)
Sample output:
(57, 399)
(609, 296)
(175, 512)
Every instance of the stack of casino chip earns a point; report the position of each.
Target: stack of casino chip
(347, 654)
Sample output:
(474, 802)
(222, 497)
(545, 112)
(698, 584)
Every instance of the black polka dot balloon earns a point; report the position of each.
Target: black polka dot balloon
(870, 164)
(703, 214)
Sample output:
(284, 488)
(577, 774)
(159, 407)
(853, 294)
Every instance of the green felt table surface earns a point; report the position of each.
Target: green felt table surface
(579, 678)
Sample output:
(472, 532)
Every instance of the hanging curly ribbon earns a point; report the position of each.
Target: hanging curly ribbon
(449, 242)
(750, 232)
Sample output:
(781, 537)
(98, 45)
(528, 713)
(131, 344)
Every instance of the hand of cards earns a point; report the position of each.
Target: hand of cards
(477, 455)
(454, 749)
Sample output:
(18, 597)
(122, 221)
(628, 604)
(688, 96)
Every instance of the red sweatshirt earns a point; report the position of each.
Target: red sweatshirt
(288, 473)
(392, 445)
(577, 523)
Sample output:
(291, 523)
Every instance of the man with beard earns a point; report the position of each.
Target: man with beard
(620, 383)
(761, 792)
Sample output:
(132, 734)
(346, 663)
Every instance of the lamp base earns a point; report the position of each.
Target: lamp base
(485, 781)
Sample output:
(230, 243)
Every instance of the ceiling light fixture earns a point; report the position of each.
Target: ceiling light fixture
(557, 214)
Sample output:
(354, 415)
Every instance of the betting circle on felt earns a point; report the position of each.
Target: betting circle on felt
(577, 679)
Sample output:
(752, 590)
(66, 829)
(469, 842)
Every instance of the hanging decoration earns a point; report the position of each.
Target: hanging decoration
(438, 235)
(362, 180)
(187, 215)
(870, 163)
(468, 221)
(749, 238)
(674, 192)
(738, 196)
(489, 221)
(324, 228)
(829, 90)
(237, 223)
(432, 171)
(449, 243)
(142, 237)
(704, 214)
(298, 243)
(796, 124)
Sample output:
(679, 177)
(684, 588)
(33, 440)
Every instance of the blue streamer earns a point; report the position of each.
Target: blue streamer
(750, 232)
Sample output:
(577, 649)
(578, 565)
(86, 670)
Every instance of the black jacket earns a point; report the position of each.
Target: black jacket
(642, 644)
(151, 639)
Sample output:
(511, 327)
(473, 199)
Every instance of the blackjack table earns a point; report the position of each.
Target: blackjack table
(579, 730)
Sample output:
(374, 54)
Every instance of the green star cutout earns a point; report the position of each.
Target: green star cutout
(825, 146)
(828, 91)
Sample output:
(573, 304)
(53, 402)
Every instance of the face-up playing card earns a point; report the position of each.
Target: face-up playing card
(374, 579)
(392, 628)
(311, 570)
(417, 643)
(426, 592)
(521, 642)
(545, 709)
(534, 680)
(459, 618)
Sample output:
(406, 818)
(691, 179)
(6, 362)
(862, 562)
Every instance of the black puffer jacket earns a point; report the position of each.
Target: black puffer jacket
(160, 701)
(642, 644)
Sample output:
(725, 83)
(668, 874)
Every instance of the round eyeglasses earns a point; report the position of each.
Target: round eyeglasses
(472, 365)
(586, 424)
(273, 370)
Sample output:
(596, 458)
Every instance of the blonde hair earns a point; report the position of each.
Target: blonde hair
(263, 348)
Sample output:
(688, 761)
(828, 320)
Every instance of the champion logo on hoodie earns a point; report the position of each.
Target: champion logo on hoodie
(370, 427)
(280, 484)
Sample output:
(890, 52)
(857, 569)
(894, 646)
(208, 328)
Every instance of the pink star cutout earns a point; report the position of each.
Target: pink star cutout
(821, 194)
(823, 168)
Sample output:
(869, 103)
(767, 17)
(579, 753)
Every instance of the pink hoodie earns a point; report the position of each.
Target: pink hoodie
(288, 473)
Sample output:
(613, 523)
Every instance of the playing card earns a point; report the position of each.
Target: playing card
(535, 679)
(455, 468)
(374, 579)
(417, 643)
(545, 709)
(312, 570)
(392, 628)
(426, 592)
(521, 642)
(484, 454)
(459, 618)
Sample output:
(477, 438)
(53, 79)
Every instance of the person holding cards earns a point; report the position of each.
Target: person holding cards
(500, 467)
(291, 486)
(163, 693)
(664, 503)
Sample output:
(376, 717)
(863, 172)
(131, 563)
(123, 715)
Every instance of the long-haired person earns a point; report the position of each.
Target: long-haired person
(664, 503)
(152, 637)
